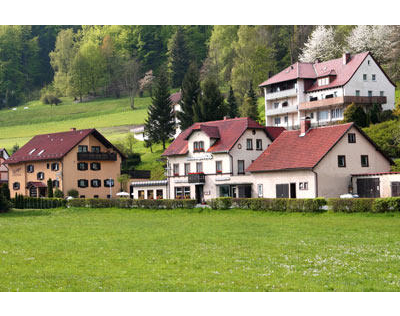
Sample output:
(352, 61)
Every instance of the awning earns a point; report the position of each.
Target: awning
(36, 185)
(148, 183)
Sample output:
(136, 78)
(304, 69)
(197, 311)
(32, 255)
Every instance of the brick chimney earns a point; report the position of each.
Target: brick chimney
(73, 129)
(346, 58)
(305, 125)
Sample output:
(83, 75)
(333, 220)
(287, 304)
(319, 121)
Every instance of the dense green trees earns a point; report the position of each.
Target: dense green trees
(210, 105)
(232, 104)
(179, 57)
(249, 106)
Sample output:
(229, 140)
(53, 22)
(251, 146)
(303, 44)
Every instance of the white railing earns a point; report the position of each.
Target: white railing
(281, 110)
(281, 94)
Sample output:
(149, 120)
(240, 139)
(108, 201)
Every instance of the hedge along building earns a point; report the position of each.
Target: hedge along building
(316, 162)
(209, 159)
(83, 160)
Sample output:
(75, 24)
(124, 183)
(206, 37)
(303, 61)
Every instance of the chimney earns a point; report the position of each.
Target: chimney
(225, 118)
(73, 129)
(305, 125)
(346, 58)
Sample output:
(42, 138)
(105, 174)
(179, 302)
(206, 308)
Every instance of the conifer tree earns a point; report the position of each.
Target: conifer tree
(249, 106)
(160, 122)
(232, 104)
(190, 93)
(210, 105)
(179, 57)
(50, 193)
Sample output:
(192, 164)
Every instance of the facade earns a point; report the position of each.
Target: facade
(322, 90)
(375, 185)
(3, 168)
(79, 159)
(150, 190)
(316, 162)
(210, 159)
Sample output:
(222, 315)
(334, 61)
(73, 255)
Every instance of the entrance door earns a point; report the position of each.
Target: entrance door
(282, 190)
(368, 188)
(199, 193)
(293, 190)
(32, 192)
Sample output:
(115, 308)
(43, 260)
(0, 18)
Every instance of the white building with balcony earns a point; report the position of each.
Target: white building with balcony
(322, 90)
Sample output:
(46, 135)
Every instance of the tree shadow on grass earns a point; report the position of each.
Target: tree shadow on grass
(25, 213)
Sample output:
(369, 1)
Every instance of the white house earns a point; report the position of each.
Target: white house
(322, 90)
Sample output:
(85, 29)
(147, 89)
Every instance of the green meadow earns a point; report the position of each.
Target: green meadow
(197, 250)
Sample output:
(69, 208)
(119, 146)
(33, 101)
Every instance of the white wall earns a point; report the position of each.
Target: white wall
(150, 188)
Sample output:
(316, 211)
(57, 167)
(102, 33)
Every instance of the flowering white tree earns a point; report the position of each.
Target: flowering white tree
(320, 45)
(372, 38)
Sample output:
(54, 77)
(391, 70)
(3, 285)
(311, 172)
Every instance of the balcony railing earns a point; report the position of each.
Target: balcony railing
(281, 94)
(343, 100)
(198, 177)
(98, 156)
(282, 110)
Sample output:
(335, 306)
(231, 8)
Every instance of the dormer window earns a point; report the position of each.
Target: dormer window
(198, 146)
(323, 81)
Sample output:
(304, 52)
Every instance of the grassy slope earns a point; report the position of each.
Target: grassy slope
(145, 250)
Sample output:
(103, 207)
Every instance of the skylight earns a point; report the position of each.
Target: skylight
(32, 151)
(41, 152)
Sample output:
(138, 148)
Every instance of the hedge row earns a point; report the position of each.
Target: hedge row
(379, 205)
(25, 202)
(130, 203)
(261, 204)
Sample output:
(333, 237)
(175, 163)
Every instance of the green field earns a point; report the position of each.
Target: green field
(193, 250)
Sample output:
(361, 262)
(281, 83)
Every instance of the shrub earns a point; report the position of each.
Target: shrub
(5, 191)
(5, 204)
(58, 194)
(50, 99)
(221, 203)
(351, 205)
(26, 202)
(73, 193)
(382, 205)
(130, 203)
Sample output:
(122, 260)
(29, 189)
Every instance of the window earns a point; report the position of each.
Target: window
(285, 104)
(365, 77)
(198, 146)
(176, 169)
(337, 113)
(55, 166)
(286, 119)
(141, 194)
(199, 167)
(357, 93)
(395, 188)
(303, 185)
(82, 196)
(40, 152)
(369, 93)
(382, 93)
(323, 115)
(32, 151)
(82, 149)
(373, 77)
(249, 143)
(260, 190)
(95, 183)
(341, 161)
(201, 146)
(95, 166)
(224, 191)
(218, 166)
(323, 81)
(187, 168)
(159, 194)
(16, 186)
(40, 175)
(82, 166)
(182, 192)
(150, 194)
(351, 138)
(240, 166)
(30, 168)
(258, 144)
(277, 120)
(108, 196)
(82, 183)
(364, 161)
(48, 166)
(56, 183)
(109, 183)
(276, 105)
(369, 62)
(313, 99)
(96, 149)
(253, 131)
(95, 196)
(312, 115)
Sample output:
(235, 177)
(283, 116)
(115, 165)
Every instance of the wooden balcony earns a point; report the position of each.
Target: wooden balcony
(344, 100)
(198, 177)
(97, 156)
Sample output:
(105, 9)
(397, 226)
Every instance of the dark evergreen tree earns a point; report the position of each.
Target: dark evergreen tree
(374, 114)
(210, 105)
(355, 113)
(232, 104)
(50, 192)
(190, 93)
(160, 122)
(249, 107)
(179, 57)
(5, 191)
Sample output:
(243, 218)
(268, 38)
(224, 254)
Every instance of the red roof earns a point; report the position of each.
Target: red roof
(211, 131)
(229, 130)
(289, 151)
(274, 131)
(36, 184)
(176, 97)
(340, 73)
(54, 146)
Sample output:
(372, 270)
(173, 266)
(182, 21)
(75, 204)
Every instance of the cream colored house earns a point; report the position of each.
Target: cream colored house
(322, 90)
(316, 162)
(79, 159)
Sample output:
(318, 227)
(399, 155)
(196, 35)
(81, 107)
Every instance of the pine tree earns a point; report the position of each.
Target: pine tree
(5, 191)
(50, 193)
(249, 107)
(210, 105)
(232, 104)
(355, 113)
(190, 94)
(179, 57)
(160, 122)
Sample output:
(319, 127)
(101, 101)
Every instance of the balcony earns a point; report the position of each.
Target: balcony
(97, 156)
(281, 94)
(282, 110)
(343, 100)
(198, 177)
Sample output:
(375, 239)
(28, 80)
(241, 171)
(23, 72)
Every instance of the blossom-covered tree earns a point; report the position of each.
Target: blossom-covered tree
(320, 45)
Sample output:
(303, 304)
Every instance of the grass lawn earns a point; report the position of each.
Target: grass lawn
(192, 250)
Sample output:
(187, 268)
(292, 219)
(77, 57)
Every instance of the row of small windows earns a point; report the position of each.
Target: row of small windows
(365, 77)
(342, 161)
(17, 185)
(249, 143)
(82, 166)
(199, 167)
(150, 195)
(54, 167)
(370, 93)
(85, 149)
(95, 183)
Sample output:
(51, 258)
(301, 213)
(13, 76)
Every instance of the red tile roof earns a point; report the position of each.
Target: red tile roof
(289, 151)
(274, 131)
(341, 73)
(230, 130)
(211, 131)
(176, 97)
(54, 146)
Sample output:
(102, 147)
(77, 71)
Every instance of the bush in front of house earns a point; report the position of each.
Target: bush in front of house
(26, 202)
(73, 193)
(58, 194)
(382, 205)
(360, 205)
(5, 204)
(129, 203)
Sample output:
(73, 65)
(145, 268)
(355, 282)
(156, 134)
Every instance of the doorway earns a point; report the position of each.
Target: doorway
(199, 193)
(293, 190)
(368, 188)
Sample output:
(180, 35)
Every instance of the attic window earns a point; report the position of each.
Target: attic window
(323, 81)
(32, 151)
(41, 152)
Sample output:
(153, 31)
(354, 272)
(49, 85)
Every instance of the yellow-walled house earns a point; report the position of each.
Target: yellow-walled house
(83, 160)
